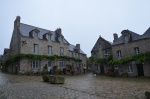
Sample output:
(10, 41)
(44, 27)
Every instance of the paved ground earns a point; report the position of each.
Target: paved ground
(75, 87)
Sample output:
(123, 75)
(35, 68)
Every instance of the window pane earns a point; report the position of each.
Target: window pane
(35, 49)
(50, 50)
(61, 51)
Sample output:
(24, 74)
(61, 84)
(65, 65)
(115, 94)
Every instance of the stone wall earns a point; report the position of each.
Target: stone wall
(43, 46)
(127, 49)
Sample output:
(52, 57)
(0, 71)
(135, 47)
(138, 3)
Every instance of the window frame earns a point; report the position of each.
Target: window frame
(35, 64)
(136, 50)
(106, 53)
(119, 55)
(49, 48)
(130, 69)
(61, 51)
(61, 64)
(35, 48)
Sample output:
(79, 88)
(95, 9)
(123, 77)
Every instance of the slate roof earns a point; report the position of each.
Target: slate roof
(95, 47)
(25, 29)
(134, 37)
(147, 33)
(72, 48)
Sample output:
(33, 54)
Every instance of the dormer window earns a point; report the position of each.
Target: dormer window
(47, 36)
(34, 33)
(126, 38)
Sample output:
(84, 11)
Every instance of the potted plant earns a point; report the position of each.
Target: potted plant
(57, 78)
(45, 74)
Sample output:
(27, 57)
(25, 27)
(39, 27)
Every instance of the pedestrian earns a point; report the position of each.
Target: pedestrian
(84, 68)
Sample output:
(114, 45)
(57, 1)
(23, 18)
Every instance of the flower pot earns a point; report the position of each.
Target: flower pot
(45, 78)
(56, 79)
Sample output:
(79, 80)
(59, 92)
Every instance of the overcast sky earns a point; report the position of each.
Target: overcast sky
(81, 21)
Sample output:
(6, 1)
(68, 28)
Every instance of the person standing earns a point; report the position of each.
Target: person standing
(84, 68)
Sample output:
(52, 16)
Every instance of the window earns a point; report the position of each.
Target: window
(136, 49)
(100, 45)
(49, 50)
(72, 54)
(35, 34)
(61, 51)
(116, 67)
(121, 68)
(35, 49)
(130, 69)
(78, 55)
(61, 64)
(35, 64)
(126, 38)
(119, 54)
(95, 55)
(49, 63)
(106, 53)
(108, 67)
(49, 37)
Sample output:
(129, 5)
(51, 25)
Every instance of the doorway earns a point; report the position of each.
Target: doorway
(49, 66)
(102, 69)
(140, 69)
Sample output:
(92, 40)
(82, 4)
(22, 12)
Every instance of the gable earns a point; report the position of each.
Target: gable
(101, 44)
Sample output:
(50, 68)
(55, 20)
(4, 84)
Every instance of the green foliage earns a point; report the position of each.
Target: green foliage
(103, 61)
(89, 60)
(139, 58)
(38, 57)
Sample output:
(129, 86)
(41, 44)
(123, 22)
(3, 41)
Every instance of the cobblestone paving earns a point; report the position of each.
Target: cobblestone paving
(75, 87)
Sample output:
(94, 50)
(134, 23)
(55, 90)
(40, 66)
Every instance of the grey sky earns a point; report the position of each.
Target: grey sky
(82, 21)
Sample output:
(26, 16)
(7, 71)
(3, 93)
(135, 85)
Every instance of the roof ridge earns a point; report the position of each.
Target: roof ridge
(37, 27)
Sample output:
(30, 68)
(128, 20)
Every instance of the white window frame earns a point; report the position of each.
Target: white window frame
(49, 50)
(49, 37)
(61, 51)
(35, 48)
(119, 54)
(61, 64)
(136, 50)
(35, 34)
(35, 64)
(106, 53)
(130, 69)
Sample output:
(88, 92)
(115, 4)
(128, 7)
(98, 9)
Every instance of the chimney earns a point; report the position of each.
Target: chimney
(58, 31)
(78, 46)
(17, 21)
(115, 36)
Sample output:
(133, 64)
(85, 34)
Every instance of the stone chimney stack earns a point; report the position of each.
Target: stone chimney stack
(58, 31)
(17, 21)
(78, 46)
(115, 36)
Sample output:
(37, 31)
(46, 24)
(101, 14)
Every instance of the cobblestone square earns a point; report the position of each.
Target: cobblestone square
(75, 87)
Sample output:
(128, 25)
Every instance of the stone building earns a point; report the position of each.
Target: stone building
(129, 44)
(27, 39)
(101, 49)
